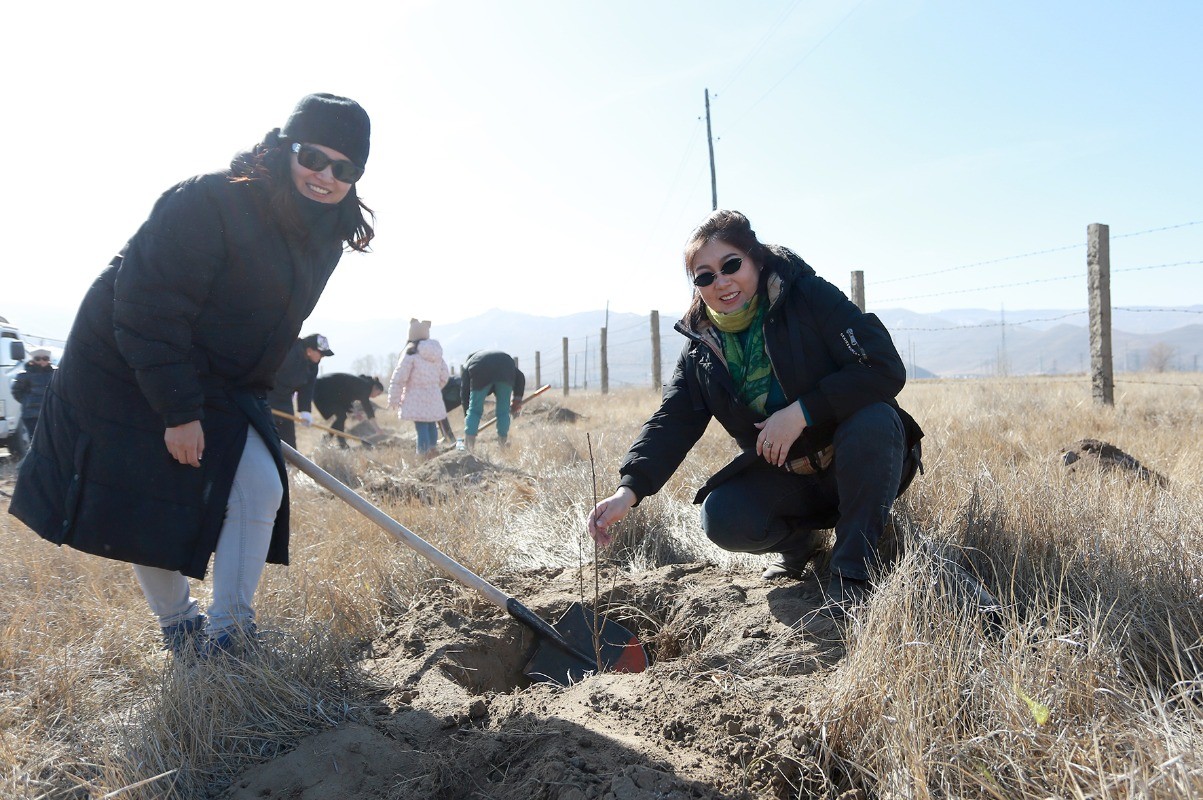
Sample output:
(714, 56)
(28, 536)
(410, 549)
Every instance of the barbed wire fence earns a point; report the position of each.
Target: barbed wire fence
(623, 356)
(632, 354)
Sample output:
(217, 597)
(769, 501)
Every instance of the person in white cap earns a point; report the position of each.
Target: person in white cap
(29, 386)
(297, 376)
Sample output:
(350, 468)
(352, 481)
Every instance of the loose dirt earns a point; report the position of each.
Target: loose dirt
(461, 720)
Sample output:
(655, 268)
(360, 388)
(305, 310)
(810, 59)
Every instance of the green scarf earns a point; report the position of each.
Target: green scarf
(743, 346)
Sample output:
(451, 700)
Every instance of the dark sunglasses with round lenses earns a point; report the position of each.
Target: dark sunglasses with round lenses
(729, 267)
(315, 160)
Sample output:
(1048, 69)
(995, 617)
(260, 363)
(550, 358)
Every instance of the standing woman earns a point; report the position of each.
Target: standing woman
(416, 386)
(156, 445)
(805, 382)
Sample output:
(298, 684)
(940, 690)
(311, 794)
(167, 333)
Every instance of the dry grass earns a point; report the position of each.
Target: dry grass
(1086, 684)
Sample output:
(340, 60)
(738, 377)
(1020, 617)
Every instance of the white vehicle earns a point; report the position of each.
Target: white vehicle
(12, 360)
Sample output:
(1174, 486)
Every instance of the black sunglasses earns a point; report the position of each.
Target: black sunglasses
(313, 159)
(729, 267)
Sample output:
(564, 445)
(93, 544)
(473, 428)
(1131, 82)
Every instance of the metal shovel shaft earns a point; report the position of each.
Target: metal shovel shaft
(435, 556)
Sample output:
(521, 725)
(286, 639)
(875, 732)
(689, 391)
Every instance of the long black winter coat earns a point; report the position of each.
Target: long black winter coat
(29, 388)
(824, 350)
(189, 322)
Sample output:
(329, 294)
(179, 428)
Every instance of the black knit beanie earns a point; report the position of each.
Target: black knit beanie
(331, 121)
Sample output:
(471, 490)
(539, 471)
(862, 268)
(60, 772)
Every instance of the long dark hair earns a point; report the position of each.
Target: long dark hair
(268, 161)
(733, 228)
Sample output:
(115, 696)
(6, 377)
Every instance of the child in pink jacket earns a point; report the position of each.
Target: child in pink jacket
(416, 386)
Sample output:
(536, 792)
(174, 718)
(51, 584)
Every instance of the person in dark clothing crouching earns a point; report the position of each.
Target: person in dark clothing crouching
(155, 444)
(804, 382)
(335, 396)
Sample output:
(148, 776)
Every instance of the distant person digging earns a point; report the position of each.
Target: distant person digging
(297, 376)
(490, 372)
(805, 382)
(336, 396)
(451, 401)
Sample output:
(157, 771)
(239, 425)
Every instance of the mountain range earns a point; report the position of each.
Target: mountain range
(952, 343)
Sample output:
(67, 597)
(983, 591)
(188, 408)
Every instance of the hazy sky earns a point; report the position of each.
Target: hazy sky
(550, 157)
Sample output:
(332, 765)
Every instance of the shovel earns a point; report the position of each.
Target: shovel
(524, 401)
(320, 427)
(581, 643)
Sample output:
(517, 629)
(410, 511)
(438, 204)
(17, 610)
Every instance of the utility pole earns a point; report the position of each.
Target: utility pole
(710, 144)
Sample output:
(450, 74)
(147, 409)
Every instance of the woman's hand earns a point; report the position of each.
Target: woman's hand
(608, 512)
(779, 432)
(186, 442)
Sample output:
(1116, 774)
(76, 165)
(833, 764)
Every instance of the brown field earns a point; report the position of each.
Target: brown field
(385, 680)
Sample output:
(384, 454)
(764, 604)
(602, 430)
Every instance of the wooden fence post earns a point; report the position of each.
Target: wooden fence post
(657, 380)
(605, 364)
(538, 370)
(564, 346)
(1098, 279)
(858, 288)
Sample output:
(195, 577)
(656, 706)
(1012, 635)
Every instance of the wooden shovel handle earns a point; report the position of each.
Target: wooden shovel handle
(319, 426)
(524, 401)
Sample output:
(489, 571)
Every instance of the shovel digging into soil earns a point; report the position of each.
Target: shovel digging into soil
(582, 642)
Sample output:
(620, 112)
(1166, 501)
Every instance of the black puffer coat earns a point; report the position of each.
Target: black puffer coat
(824, 350)
(190, 322)
(29, 388)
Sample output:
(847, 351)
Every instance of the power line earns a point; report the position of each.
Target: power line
(798, 63)
(768, 34)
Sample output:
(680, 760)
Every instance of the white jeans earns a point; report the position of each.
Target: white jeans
(241, 550)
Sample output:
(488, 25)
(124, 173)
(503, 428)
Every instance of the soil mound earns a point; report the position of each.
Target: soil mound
(1096, 456)
(440, 478)
(550, 412)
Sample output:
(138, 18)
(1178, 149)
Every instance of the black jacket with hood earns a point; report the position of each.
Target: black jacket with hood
(29, 388)
(824, 351)
(296, 375)
(490, 366)
(189, 322)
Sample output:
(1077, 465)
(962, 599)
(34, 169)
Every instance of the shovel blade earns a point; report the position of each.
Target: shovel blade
(618, 649)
